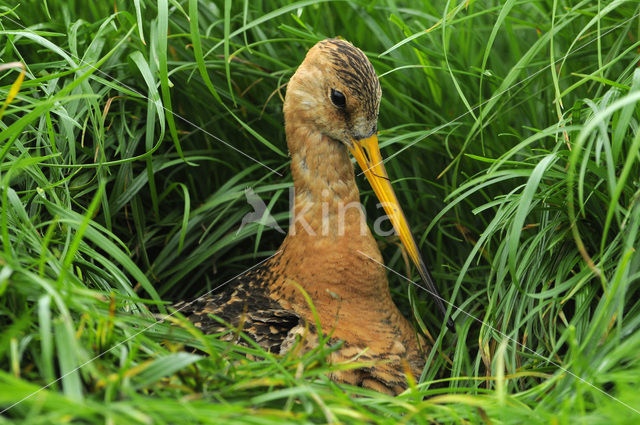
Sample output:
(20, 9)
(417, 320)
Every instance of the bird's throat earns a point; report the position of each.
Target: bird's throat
(325, 197)
(329, 248)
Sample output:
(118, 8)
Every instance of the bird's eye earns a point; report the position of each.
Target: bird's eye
(338, 99)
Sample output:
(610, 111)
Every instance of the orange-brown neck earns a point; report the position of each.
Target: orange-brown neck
(326, 201)
(328, 243)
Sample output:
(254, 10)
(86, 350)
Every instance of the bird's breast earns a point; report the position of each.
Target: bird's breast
(336, 272)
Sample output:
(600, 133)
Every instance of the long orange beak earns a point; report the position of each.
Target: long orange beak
(367, 153)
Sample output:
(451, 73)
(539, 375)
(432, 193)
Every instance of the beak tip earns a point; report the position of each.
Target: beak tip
(451, 325)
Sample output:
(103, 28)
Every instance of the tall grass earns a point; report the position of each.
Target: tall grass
(511, 130)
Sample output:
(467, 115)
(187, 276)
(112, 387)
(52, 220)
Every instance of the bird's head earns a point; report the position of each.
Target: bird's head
(336, 91)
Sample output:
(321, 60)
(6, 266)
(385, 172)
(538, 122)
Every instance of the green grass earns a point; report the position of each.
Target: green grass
(512, 133)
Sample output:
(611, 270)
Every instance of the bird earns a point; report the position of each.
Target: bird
(328, 276)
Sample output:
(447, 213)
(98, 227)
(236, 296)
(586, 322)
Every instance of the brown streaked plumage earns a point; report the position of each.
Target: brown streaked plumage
(330, 109)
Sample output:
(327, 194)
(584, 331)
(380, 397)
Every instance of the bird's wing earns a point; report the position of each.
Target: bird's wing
(244, 304)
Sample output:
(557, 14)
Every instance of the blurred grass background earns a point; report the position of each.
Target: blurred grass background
(512, 132)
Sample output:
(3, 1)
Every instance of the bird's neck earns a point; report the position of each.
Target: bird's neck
(326, 200)
(329, 251)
